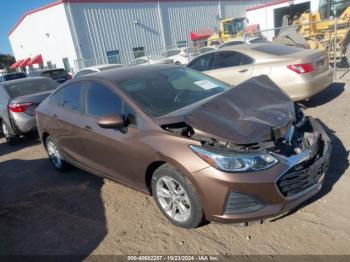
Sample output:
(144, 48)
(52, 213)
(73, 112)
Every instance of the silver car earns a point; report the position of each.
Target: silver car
(97, 68)
(18, 101)
(152, 60)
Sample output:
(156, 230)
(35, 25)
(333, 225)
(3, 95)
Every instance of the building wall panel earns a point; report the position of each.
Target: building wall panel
(47, 33)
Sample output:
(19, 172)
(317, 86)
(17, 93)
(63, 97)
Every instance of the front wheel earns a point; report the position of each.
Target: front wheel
(55, 156)
(176, 197)
(10, 139)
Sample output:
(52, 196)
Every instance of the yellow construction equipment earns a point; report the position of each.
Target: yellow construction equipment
(320, 29)
(229, 29)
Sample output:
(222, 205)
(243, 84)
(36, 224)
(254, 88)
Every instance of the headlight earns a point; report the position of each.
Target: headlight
(235, 162)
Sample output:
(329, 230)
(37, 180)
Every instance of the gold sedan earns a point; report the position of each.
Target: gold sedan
(301, 73)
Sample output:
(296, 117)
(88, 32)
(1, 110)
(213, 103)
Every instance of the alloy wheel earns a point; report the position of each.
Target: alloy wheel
(54, 154)
(173, 199)
(5, 130)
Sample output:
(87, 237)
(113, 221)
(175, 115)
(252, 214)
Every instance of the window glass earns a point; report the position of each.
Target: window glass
(113, 57)
(70, 99)
(102, 101)
(228, 59)
(14, 76)
(141, 61)
(30, 87)
(163, 91)
(202, 63)
(138, 52)
(55, 74)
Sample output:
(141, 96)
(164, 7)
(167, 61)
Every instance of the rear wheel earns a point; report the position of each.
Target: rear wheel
(176, 197)
(55, 155)
(10, 139)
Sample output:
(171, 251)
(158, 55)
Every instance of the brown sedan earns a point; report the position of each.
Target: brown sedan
(202, 149)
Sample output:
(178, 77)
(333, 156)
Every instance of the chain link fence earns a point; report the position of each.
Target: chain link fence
(330, 36)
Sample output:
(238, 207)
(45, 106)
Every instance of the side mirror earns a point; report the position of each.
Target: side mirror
(111, 121)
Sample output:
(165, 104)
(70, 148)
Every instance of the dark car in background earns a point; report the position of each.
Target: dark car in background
(18, 101)
(60, 75)
(204, 150)
(12, 76)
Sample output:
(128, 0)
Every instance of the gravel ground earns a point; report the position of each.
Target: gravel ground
(45, 212)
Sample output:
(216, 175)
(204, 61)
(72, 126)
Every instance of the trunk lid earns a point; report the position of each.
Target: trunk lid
(34, 99)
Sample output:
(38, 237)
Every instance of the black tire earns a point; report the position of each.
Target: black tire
(177, 63)
(196, 214)
(10, 139)
(59, 164)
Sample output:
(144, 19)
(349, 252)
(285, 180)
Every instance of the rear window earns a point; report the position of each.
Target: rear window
(14, 76)
(30, 87)
(277, 50)
(55, 74)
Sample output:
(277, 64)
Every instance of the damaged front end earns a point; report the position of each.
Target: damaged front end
(236, 137)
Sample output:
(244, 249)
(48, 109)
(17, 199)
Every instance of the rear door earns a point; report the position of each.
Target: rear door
(108, 151)
(65, 120)
(231, 67)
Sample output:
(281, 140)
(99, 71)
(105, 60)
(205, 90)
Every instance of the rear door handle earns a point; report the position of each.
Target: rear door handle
(243, 70)
(87, 128)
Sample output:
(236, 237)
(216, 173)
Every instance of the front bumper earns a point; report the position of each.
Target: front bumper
(244, 197)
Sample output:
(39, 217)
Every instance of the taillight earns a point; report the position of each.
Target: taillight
(69, 77)
(19, 107)
(301, 68)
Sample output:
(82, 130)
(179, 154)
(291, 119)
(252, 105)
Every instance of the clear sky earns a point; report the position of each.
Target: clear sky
(10, 12)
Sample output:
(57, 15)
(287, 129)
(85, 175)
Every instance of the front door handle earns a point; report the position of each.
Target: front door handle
(87, 128)
(243, 70)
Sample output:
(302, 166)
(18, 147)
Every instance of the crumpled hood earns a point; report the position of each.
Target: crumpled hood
(245, 114)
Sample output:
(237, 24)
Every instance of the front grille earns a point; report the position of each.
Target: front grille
(238, 203)
(300, 178)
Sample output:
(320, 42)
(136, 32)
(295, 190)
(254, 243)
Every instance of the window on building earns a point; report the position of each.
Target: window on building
(181, 43)
(113, 57)
(138, 52)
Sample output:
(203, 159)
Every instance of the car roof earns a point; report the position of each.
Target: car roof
(23, 80)
(126, 73)
(98, 67)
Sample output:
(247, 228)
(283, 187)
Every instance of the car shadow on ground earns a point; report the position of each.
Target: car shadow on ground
(327, 95)
(44, 212)
(26, 141)
(338, 165)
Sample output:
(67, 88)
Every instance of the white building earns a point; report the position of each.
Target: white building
(269, 15)
(79, 33)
